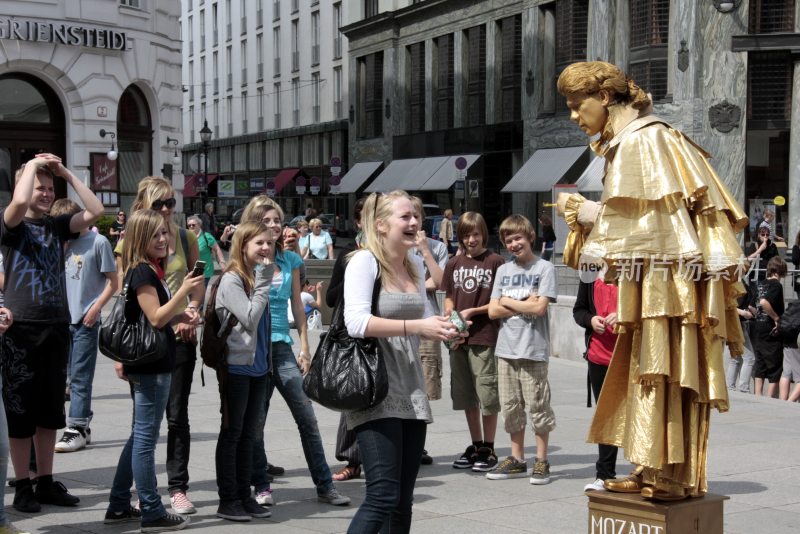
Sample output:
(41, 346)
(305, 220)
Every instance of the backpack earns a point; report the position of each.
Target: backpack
(789, 325)
(214, 343)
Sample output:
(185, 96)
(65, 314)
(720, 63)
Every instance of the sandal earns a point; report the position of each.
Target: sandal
(347, 472)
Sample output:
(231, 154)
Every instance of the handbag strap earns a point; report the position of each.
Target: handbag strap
(338, 312)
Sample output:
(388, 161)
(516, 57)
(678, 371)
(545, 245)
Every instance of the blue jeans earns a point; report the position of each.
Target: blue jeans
(287, 378)
(244, 398)
(82, 361)
(390, 450)
(138, 460)
(740, 368)
(4, 451)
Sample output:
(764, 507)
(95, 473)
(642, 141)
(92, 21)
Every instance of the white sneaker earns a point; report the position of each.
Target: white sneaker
(597, 485)
(265, 498)
(73, 439)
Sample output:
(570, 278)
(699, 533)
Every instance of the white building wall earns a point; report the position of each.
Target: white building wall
(246, 25)
(90, 81)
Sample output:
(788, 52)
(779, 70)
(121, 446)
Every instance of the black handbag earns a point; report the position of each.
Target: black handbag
(131, 343)
(347, 373)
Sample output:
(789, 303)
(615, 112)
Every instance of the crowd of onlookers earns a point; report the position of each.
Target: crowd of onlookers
(494, 320)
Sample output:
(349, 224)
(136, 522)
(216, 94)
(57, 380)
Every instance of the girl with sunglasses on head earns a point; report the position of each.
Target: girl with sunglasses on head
(145, 254)
(156, 193)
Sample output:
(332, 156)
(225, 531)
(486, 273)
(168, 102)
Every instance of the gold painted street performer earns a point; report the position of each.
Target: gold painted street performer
(665, 227)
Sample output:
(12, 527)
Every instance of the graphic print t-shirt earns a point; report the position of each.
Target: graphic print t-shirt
(35, 288)
(468, 282)
(525, 336)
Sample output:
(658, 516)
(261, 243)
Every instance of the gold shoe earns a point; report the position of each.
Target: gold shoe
(653, 494)
(630, 484)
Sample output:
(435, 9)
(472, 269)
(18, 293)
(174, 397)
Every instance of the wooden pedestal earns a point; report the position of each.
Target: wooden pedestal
(629, 513)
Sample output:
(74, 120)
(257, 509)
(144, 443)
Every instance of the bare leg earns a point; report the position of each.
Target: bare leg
(489, 427)
(541, 446)
(759, 387)
(772, 390)
(474, 423)
(44, 441)
(795, 393)
(20, 456)
(783, 388)
(518, 445)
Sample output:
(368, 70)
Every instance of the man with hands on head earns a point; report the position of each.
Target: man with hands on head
(36, 348)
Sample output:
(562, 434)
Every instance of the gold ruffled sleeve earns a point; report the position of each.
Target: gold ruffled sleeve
(577, 233)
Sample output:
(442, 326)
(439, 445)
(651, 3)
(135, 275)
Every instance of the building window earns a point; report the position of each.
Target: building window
(244, 112)
(191, 122)
(445, 79)
(276, 47)
(191, 33)
(242, 11)
(771, 16)
(215, 23)
(202, 30)
(276, 103)
(648, 43)
(191, 80)
(259, 13)
(216, 118)
(510, 69)
(315, 38)
(215, 66)
(337, 35)
(475, 38)
(295, 47)
(229, 114)
(130, 3)
(243, 61)
(295, 102)
(228, 19)
(315, 96)
(229, 68)
(260, 57)
(260, 108)
(276, 10)
(370, 8)
(416, 83)
(572, 23)
(337, 93)
(769, 89)
(370, 95)
(202, 77)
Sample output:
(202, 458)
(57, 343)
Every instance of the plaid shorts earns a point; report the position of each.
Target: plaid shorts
(430, 355)
(523, 383)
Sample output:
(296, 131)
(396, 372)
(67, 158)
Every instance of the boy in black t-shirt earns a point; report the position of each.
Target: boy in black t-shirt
(36, 347)
(767, 308)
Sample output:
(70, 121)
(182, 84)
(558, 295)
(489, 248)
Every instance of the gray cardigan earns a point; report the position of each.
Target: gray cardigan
(248, 309)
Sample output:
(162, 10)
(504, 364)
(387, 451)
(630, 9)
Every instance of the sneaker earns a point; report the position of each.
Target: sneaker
(333, 497)
(426, 458)
(466, 460)
(233, 511)
(275, 471)
(509, 468)
(53, 492)
(486, 460)
(181, 503)
(9, 528)
(73, 439)
(541, 472)
(165, 523)
(124, 516)
(254, 509)
(265, 498)
(25, 498)
(597, 485)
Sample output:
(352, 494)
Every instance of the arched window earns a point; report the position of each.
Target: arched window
(135, 134)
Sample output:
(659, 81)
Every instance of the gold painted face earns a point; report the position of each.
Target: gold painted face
(589, 112)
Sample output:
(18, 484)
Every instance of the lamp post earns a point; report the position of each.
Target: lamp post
(205, 137)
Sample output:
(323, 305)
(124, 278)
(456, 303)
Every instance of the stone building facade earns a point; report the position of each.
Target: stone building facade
(71, 69)
(723, 72)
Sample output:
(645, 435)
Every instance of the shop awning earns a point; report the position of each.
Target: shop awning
(446, 175)
(592, 177)
(357, 175)
(395, 176)
(543, 170)
(191, 181)
(283, 178)
(424, 171)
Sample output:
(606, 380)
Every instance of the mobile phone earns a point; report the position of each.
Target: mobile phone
(199, 268)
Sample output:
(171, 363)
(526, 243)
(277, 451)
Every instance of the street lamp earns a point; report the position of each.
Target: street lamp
(111, 154)
(176, 159)
(205, 137)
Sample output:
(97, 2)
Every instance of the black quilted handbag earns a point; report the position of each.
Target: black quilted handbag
(131, 343)
(347, 373)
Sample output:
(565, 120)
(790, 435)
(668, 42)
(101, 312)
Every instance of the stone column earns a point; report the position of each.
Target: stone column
(600, 38)
(682, 34)
(459, 74)
(430, 85)
(492, 72)
(793, 194)
(622, 35)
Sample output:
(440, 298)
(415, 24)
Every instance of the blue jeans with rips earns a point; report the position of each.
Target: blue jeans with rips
(82, 361)
(288, 379)
(138, 461)
(390, 450)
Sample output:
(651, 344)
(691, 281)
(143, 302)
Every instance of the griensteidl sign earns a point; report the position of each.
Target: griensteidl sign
(59, 32)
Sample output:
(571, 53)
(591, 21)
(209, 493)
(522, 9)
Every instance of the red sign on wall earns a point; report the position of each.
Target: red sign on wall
(104, 173)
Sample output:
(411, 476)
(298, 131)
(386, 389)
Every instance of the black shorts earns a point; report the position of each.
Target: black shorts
(34, 360)
(769, 357)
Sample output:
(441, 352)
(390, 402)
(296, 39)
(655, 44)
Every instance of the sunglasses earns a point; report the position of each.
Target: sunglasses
(192, 225)
(168, 203)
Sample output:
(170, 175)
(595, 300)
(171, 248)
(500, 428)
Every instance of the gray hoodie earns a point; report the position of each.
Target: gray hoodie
(248, 309)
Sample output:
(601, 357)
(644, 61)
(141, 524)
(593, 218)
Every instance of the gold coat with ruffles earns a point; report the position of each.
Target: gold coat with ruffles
(666, 229)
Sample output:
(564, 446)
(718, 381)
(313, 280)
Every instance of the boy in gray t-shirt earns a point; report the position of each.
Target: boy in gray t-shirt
(522, 291)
